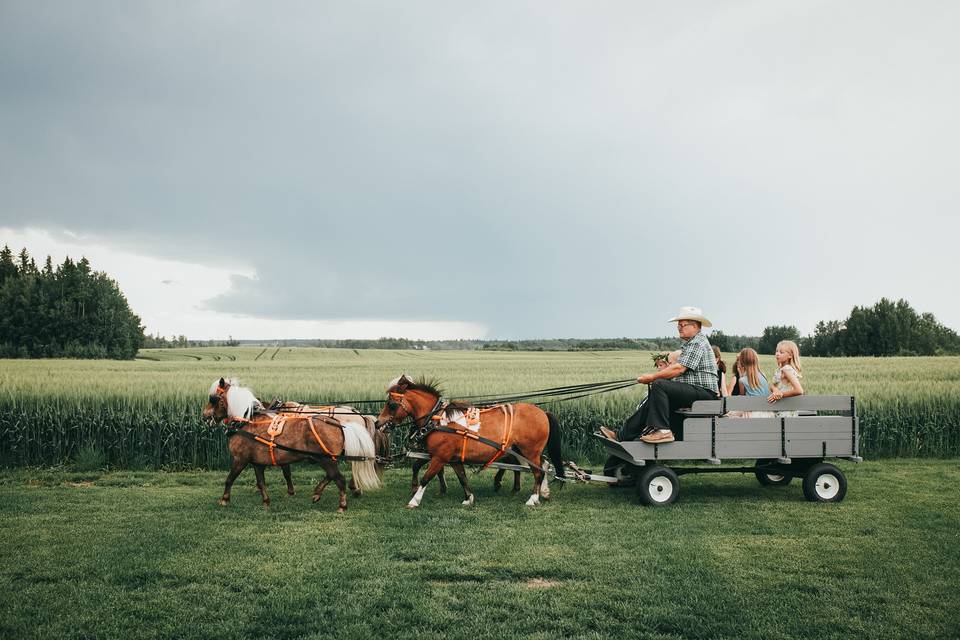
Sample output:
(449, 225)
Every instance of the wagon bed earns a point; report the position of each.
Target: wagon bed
(785, 446)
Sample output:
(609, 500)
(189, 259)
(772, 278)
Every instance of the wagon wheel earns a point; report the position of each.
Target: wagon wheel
(618, 468)
(658, 486)
(824, 483)
(766, 476)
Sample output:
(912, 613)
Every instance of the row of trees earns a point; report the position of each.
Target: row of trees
(886, 329)
(65, 311)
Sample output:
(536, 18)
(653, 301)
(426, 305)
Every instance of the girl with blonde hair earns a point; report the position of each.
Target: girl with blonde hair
(786, 381)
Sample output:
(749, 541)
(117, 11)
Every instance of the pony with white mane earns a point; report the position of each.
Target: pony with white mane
(260, 438)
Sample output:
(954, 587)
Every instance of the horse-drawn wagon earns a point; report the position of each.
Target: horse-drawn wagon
(803, 432)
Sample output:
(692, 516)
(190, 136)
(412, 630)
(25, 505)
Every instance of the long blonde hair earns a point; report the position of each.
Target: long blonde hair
(749, 365)
(794, 350)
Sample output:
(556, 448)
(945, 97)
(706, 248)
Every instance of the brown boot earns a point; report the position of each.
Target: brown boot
(661, 436)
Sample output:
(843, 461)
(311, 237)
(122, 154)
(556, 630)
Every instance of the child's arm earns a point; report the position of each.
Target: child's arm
(743, 391)
(790, 377)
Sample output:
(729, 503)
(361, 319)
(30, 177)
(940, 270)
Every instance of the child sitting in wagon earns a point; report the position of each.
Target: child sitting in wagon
(751, 383)
(786, 381)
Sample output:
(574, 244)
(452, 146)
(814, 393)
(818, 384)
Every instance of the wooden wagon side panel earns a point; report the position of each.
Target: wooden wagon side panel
(821, 436)
(748, 438)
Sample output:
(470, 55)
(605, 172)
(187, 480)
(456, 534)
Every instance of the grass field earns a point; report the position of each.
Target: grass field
(146, 413)
(150, 555)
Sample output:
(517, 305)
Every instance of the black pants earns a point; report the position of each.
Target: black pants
(663, 399)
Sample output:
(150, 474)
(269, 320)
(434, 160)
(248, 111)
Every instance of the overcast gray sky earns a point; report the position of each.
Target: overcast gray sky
(500, 169)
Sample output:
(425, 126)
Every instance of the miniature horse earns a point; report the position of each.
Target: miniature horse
(321, 439)
(527, 427)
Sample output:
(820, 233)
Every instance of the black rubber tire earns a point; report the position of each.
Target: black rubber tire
(666, 486)
(628, 472)
(770, 479)
(824, 482)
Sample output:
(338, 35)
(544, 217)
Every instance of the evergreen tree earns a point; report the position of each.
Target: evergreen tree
(67, 311)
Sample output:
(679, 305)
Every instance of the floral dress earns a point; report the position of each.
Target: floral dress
(780, 382)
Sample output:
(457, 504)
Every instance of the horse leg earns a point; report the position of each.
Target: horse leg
(288, 476)
(436, 466)
(462, 476)
(498, 479)
(330, 468)
(516, 483)
(539, 477)
(235, 470)
(262, 484)
(354, 489)
(417, 465)
(342, 485)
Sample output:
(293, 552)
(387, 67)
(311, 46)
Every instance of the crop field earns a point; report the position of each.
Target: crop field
(146, 413)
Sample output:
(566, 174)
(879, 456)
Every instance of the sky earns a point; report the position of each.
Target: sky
(498, 170)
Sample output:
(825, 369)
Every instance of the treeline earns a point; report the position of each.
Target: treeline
(180, 342)
(886, 329)
(65, 311)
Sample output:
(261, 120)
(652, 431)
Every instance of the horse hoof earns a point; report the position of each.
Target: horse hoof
(316, 498)
(533, 501)
(342, 510)
(357, 493)
(223, 502)
(410, 505)
(468, 502)
(290, 493)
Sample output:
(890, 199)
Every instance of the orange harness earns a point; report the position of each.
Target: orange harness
(276, 428)
(466, 434)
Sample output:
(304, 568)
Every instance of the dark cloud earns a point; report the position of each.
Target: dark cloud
(577, 171)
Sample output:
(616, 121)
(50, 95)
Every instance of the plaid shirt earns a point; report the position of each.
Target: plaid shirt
(697, 356)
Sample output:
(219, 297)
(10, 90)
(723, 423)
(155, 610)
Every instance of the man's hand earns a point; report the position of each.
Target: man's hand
(646, 378)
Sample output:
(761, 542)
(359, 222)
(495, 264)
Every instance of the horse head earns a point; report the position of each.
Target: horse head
(405, 398)
(216, 409)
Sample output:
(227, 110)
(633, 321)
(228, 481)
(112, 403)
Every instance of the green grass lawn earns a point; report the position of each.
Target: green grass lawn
(151, 555)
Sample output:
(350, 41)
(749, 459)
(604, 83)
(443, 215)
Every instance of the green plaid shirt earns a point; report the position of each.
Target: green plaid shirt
(697, 356)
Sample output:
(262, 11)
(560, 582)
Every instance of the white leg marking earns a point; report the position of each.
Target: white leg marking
(545, 487)
(417, 497)
(534, 500)
(468, 501)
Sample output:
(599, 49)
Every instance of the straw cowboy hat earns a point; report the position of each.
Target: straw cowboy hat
(692, 313)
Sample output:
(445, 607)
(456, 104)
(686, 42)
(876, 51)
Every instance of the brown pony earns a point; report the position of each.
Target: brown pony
(315, 438)
(525, 426)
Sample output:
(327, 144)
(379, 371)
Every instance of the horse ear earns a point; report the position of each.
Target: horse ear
(223, 383)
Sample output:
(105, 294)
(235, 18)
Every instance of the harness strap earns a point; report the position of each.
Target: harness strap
(316, 455)
(507, 429)
(316, 436)
(487, 441)
(271, 445)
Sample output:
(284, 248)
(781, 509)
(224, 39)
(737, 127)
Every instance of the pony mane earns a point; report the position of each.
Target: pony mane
(429, 386)
(423, 384)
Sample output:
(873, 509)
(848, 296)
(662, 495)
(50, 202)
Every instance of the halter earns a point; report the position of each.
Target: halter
(417, 431)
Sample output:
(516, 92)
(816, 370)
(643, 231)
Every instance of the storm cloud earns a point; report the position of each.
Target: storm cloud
(561, 169)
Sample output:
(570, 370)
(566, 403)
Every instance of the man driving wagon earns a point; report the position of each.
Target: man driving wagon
(677, 386)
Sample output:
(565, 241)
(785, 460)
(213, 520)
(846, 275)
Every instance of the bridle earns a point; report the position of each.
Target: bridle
(396, 400)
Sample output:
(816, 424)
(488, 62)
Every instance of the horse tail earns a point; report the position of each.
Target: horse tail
(357, 442)
(555, 445)
(381, 442)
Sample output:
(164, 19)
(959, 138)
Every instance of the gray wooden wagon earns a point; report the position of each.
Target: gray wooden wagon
(806, 431)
